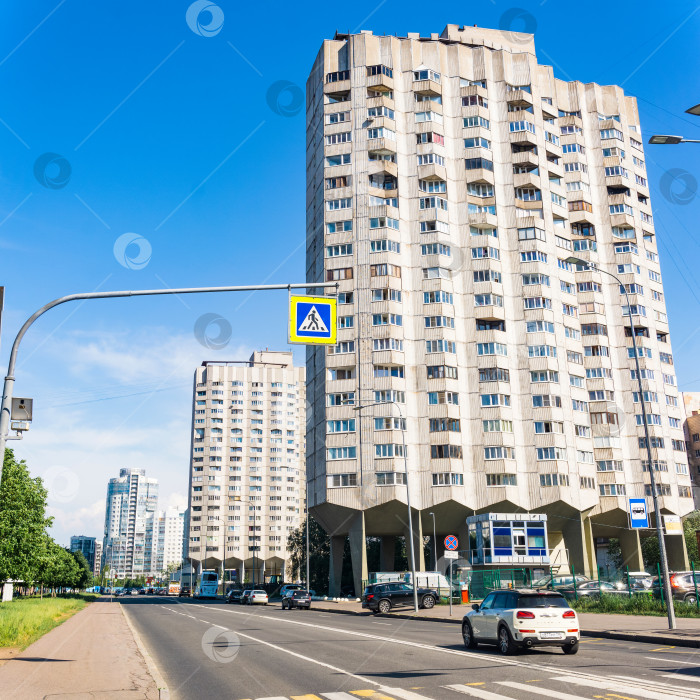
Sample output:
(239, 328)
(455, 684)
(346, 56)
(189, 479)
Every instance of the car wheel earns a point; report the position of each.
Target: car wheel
(384, 606)
(690, 599)
(570, 648)
(468, 636)
(506, 645)
(428, 602)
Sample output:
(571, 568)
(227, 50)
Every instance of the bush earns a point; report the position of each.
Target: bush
(636, 605)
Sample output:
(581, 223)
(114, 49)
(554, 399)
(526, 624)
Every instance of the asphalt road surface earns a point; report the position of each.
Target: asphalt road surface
(212, 651)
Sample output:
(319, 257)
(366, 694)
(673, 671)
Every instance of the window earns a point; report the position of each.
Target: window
(528, 234)
(334, 204)
(433, 203)
(343, 137)
(477, 163)
(429, 137)
(430, 159)
(554, 480)
(550, 453)
(661, 489)
(387, 319)
(541, 351)
(546, 401)
(439, 322)
(441, 372)
(495, 400)
(549, 427)
(341, 426)
(388, 450)
(442, 425)
(440, 346)
(390, 424)
(497, 426)
(389, 371)
(446, 452)
(341, 159)
(491, 349)
(475, 121)
(380, 111)
(426, 74)
(338, 226)
(435, 249)
(340, 480)
(333, 251)
(494, 374)
(341, 453)
(380, 70)
(477, 142)
(387, 344)
(437, 296)
(501, 480)
(342, 273)
(390, 478)
(389, 395)
(487, 276)
(381, 133)
(428, 117)
(533, 256)
(498, 452)
(537, 303)
(485, 252)
(474, 101)
(448, 479)
(384, 269)
(488, 300)
(443, 397)
(385, 245)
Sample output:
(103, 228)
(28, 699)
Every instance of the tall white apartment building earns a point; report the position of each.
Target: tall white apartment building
(168, 534)
(247, 477)
(449, 178)
(132, 499)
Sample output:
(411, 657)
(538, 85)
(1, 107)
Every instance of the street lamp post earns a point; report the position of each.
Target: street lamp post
(657, 510)
(408, 494)
(8, 387)
(308, 579)
(434, 540)
(666, 140)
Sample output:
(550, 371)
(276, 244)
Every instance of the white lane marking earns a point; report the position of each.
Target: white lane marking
(541, 691)
(388, 624)
(627, 689)
(274, 697)
(681, 677)
(338, 696)
(662, 685)
(405, 694)
(474, 692)
(675, 661)
(362, 679)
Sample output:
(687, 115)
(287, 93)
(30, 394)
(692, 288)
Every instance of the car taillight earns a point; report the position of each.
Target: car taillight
(569, 613)
(522, 631)
(567, 631)
(370, 596)
(675, 582)
(525, 615)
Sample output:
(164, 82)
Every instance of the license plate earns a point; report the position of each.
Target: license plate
(551, 635)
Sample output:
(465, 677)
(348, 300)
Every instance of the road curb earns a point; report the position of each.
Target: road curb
(599, 634)
(163, 690)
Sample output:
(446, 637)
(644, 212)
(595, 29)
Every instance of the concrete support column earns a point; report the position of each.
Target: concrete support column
(358, 552)
(417, 542)
(336, 564)
(579, 544)
(677, 553)
(387, 551)
(631, 548)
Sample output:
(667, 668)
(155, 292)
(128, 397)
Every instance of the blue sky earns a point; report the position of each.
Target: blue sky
(173, 137)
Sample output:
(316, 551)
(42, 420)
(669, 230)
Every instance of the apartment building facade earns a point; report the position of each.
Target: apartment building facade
(132, 500)
(449, 179)
(247, 478)
(86, 545)
(168, 537)
(691, 429)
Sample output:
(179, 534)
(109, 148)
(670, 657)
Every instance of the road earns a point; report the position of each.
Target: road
(210, 650)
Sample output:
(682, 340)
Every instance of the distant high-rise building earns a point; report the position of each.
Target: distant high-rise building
(453, 184)
(168, 534)
(247, 474)
(132, 499)
(86, 545)
(691, 428)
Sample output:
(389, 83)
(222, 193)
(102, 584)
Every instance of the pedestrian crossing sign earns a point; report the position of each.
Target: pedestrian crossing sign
(312, 320)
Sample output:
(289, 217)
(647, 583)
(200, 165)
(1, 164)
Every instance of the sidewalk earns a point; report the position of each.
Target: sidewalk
(635, 628)
(92, 655)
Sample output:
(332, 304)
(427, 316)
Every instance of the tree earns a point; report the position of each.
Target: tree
(84, 575)
(319, 561)
(23, 521)
(650, 545)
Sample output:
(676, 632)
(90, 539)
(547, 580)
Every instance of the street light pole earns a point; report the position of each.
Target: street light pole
(408, 494)
(8, 387)
(657, 510)
(434, 540)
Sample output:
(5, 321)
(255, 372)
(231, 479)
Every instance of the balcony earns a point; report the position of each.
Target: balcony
(482, 220)
(380, 78)
(526, 180)
(526, 158)
(432, 172)
(382, 146)
(427, 87)
(519, 98)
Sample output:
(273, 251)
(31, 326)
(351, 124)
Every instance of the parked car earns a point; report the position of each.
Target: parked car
(234, 596)
(185, 592)
(682, 586)
(593, 589)
(290, 587)
(257, 597)
(636, 577)
(513, 620)
(382, 597)
(296, 599)
(245, 596)
(561, 581)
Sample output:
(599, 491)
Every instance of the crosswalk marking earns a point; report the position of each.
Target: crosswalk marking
(615, 685)
(681, 677)
(670, 660)
(540, 691)
(654, 684)
(304, 697)
(474, 692)
(404, 694)
(337, 696)
(373, 694)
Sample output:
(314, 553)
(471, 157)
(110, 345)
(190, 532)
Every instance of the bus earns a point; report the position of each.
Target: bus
(207, 585)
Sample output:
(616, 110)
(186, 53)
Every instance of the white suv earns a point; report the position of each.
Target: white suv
(518, 619)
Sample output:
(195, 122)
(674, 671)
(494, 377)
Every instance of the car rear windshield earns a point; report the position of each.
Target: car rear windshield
(300, 594)
(542, 601)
